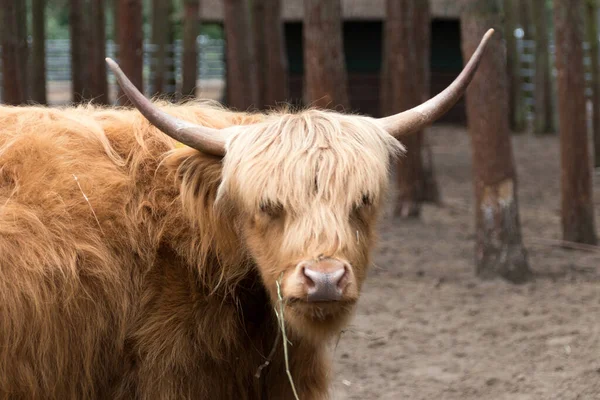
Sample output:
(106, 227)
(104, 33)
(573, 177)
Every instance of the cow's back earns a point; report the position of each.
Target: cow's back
(64, 284)
(84, 196)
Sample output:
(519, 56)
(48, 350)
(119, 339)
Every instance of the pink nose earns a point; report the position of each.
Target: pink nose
(325, 280)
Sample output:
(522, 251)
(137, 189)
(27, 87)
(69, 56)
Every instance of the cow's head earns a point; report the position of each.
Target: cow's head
(307, 187)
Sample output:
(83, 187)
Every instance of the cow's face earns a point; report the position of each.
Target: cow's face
(308, 188)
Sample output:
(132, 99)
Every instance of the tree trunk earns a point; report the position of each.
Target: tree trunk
(160, 39)
(13, 76)
(260, 32)
(430, 191)
(526, 19)
(130, 41)
(24, 47)
(576, 179)
(80, 65)
(499, 247)
(190, 48)
(171, 78)
(592, 37)
(38, 52)
(98, 78)
(404, 86)
(516, 104)
(271, 56)
(544, 110)
(242, 73)
(326, 80)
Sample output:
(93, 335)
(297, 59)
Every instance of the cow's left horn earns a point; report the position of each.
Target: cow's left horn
(201, 138)
(417, 118)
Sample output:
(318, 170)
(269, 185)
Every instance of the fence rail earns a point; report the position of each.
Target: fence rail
(526, 57)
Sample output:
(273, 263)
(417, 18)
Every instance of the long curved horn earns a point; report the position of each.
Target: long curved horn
(419, 117)
(204, 139)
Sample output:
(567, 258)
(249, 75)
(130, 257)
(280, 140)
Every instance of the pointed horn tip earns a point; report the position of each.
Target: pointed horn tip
(111, 63)
(489, 34)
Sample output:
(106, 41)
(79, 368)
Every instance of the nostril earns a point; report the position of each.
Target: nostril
(338, 276)
(306, 272)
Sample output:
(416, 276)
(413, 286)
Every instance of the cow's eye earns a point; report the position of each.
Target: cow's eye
(366, 200)
(272, 209)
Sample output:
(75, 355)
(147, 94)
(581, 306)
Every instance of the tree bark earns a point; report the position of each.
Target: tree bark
(160, 38)
(544, 122)
(80, 65)
(271, 56)
(430, 191)
(260, 32)
(526, 19)
(404, 85)
(326, 80)
(516, 104)
(242, 74)
(592, 37)
(576, 178)
(190, 48)
(499, 247)
(13, 73)
(38, 52)
(130, 41)
(97, 48)
(24, 47)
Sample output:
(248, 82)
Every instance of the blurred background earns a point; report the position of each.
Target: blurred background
(61, 38)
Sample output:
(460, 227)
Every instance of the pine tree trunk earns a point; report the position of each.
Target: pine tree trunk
(190, 48)
(430, 191)
(405, 82)
(24, 47)
(13, 76)
(576, 179)
(516, 105)
(270, 52)
(80, 65)
(242, 74)
(97, 48)
(544, 122)
(171, 78)
(130, 41)
(160, 40)
(526, 19)
(326, 80)
(499, 247)
(38, 52)
(592, 37)
(259, 31)
(115, 11)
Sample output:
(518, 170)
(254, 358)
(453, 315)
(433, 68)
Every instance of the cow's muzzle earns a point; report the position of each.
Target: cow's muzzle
(321, 280)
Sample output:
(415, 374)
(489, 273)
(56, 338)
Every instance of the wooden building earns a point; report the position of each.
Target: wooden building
(363, 34)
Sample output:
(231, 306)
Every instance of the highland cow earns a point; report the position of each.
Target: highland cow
(135, 268)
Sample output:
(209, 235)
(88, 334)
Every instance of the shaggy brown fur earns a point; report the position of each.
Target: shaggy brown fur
(121, 277)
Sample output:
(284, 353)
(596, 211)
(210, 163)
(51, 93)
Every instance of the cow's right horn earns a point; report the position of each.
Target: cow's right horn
(202, 138)
(417, 118)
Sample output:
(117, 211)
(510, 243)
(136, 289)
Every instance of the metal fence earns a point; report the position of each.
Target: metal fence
(526, 57)
(210, 66)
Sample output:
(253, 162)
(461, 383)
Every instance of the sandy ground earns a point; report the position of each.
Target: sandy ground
(426, 328)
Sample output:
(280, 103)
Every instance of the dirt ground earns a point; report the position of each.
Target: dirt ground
(426, 328)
